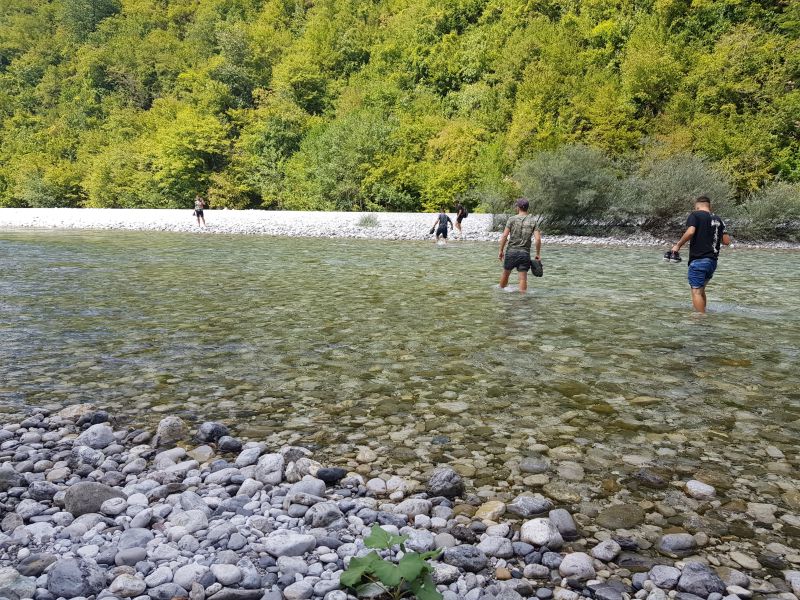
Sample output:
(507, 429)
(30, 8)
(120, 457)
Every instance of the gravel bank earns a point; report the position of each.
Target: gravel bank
(391, 226)
(96, 510)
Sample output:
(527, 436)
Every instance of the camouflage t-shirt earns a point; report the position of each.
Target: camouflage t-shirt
(521, 230)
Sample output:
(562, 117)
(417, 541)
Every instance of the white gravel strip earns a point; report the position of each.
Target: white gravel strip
(391, 226)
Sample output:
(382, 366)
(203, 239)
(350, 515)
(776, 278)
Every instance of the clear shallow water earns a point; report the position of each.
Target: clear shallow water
(412, 348)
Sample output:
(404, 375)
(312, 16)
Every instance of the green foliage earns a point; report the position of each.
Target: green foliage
(773, 211)
(570, 188)
(394, 104)
(411, 576)
(368, 220)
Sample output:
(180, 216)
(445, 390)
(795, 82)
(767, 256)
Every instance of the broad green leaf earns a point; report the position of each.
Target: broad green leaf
(388, 573)
(425, 589)
(411, 565)
(382, 539)
(432, 554)
(357, 568)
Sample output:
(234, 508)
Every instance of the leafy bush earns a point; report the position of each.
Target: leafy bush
(368, 220)
(662, 192)
(411, 576)
(493, 198)
(773, 211)
(569, 188)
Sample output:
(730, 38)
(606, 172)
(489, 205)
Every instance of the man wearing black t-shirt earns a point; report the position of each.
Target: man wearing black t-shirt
(705, 233)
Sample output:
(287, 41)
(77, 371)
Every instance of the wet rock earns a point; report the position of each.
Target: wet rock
(331, 475)
(9, 478)
(210, 432)
(650, 478)
(677, 544)
(793, 579)
(490, 511)
(534, 465)
(227, 443)
(444, 481)
(761, 512)
(170, 430)
(71, 578)
(87, 497)
(698, 579)
(541, 532)
(621, 516)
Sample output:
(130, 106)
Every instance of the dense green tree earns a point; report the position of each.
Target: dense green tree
(398, 104)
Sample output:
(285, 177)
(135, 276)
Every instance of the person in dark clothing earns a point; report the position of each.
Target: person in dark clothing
(705, 232)
(461, 214)
(440, 226)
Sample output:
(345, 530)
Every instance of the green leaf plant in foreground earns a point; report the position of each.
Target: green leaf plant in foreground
(410, 577)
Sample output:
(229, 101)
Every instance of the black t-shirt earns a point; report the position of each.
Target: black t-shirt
(707, 235)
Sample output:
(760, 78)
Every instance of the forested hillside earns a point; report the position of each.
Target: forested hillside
(389, 104)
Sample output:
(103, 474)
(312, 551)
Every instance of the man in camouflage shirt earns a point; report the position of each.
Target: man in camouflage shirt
(519, 230)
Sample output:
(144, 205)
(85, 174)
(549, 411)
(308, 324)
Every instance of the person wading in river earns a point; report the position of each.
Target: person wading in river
(440, 226)
(519, 230)
(705, 233)
(199, 205)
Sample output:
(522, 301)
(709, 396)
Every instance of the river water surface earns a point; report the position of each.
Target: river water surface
(412, 350)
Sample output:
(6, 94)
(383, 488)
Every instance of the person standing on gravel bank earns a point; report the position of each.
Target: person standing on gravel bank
(199, 205)
(519, 230)
(461, 214)
(705, 233)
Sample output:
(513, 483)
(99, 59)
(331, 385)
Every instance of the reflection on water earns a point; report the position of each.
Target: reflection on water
(336, 344)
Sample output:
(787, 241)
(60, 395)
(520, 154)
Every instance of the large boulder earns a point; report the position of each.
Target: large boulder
(71, 578)
(444, 481)
(171, 430)
(88, 496)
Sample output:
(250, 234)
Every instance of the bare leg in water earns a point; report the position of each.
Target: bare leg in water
(699, 299)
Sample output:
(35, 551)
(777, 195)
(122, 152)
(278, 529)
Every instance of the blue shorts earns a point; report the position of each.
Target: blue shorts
(701, 270)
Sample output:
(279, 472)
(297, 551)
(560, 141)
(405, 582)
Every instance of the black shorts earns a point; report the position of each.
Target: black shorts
(442, 231)
(198, 213)
(459, 219)
(517, 259)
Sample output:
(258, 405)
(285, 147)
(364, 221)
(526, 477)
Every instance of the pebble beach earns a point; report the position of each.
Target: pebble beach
(96, 509)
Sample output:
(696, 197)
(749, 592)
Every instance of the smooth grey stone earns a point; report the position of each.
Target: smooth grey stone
(676, 544)
(167, 591)
(529, 506)
(664, 577)
(135, 538)
(97, 436)
(129, 556)
(564, 523)
(211, 431)
(70, 578)
(88, 496)
(35, 564)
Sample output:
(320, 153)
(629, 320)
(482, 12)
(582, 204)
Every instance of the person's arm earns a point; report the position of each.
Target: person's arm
(449, 220)
(726, 239)
(503, 239)
(537, 238)
(685, 238)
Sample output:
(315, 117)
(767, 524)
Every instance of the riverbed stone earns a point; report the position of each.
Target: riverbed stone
(491, 510)
(677, 544)
(564, 522)
(283, 542)
(9, 478)
(127, 586)
(664, 576)
(606, 550)
(577, 565)
(444, 481)
(620, 516)
(88, 496)
(541, 532)
(171, 430)
(71, 578)
(700, 580)
(497, 546)
(527, 506)
(699, 490)
(465, 557)
(269, 469)
(15, 586)
(210, 432)
(97, 437)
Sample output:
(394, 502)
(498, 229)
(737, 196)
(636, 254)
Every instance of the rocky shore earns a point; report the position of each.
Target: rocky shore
(92, 509)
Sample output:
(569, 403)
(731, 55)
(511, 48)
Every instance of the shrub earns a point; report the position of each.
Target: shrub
(368, 220)
(569, 188)
(493, 198)
(662, 192)
(771, 212)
